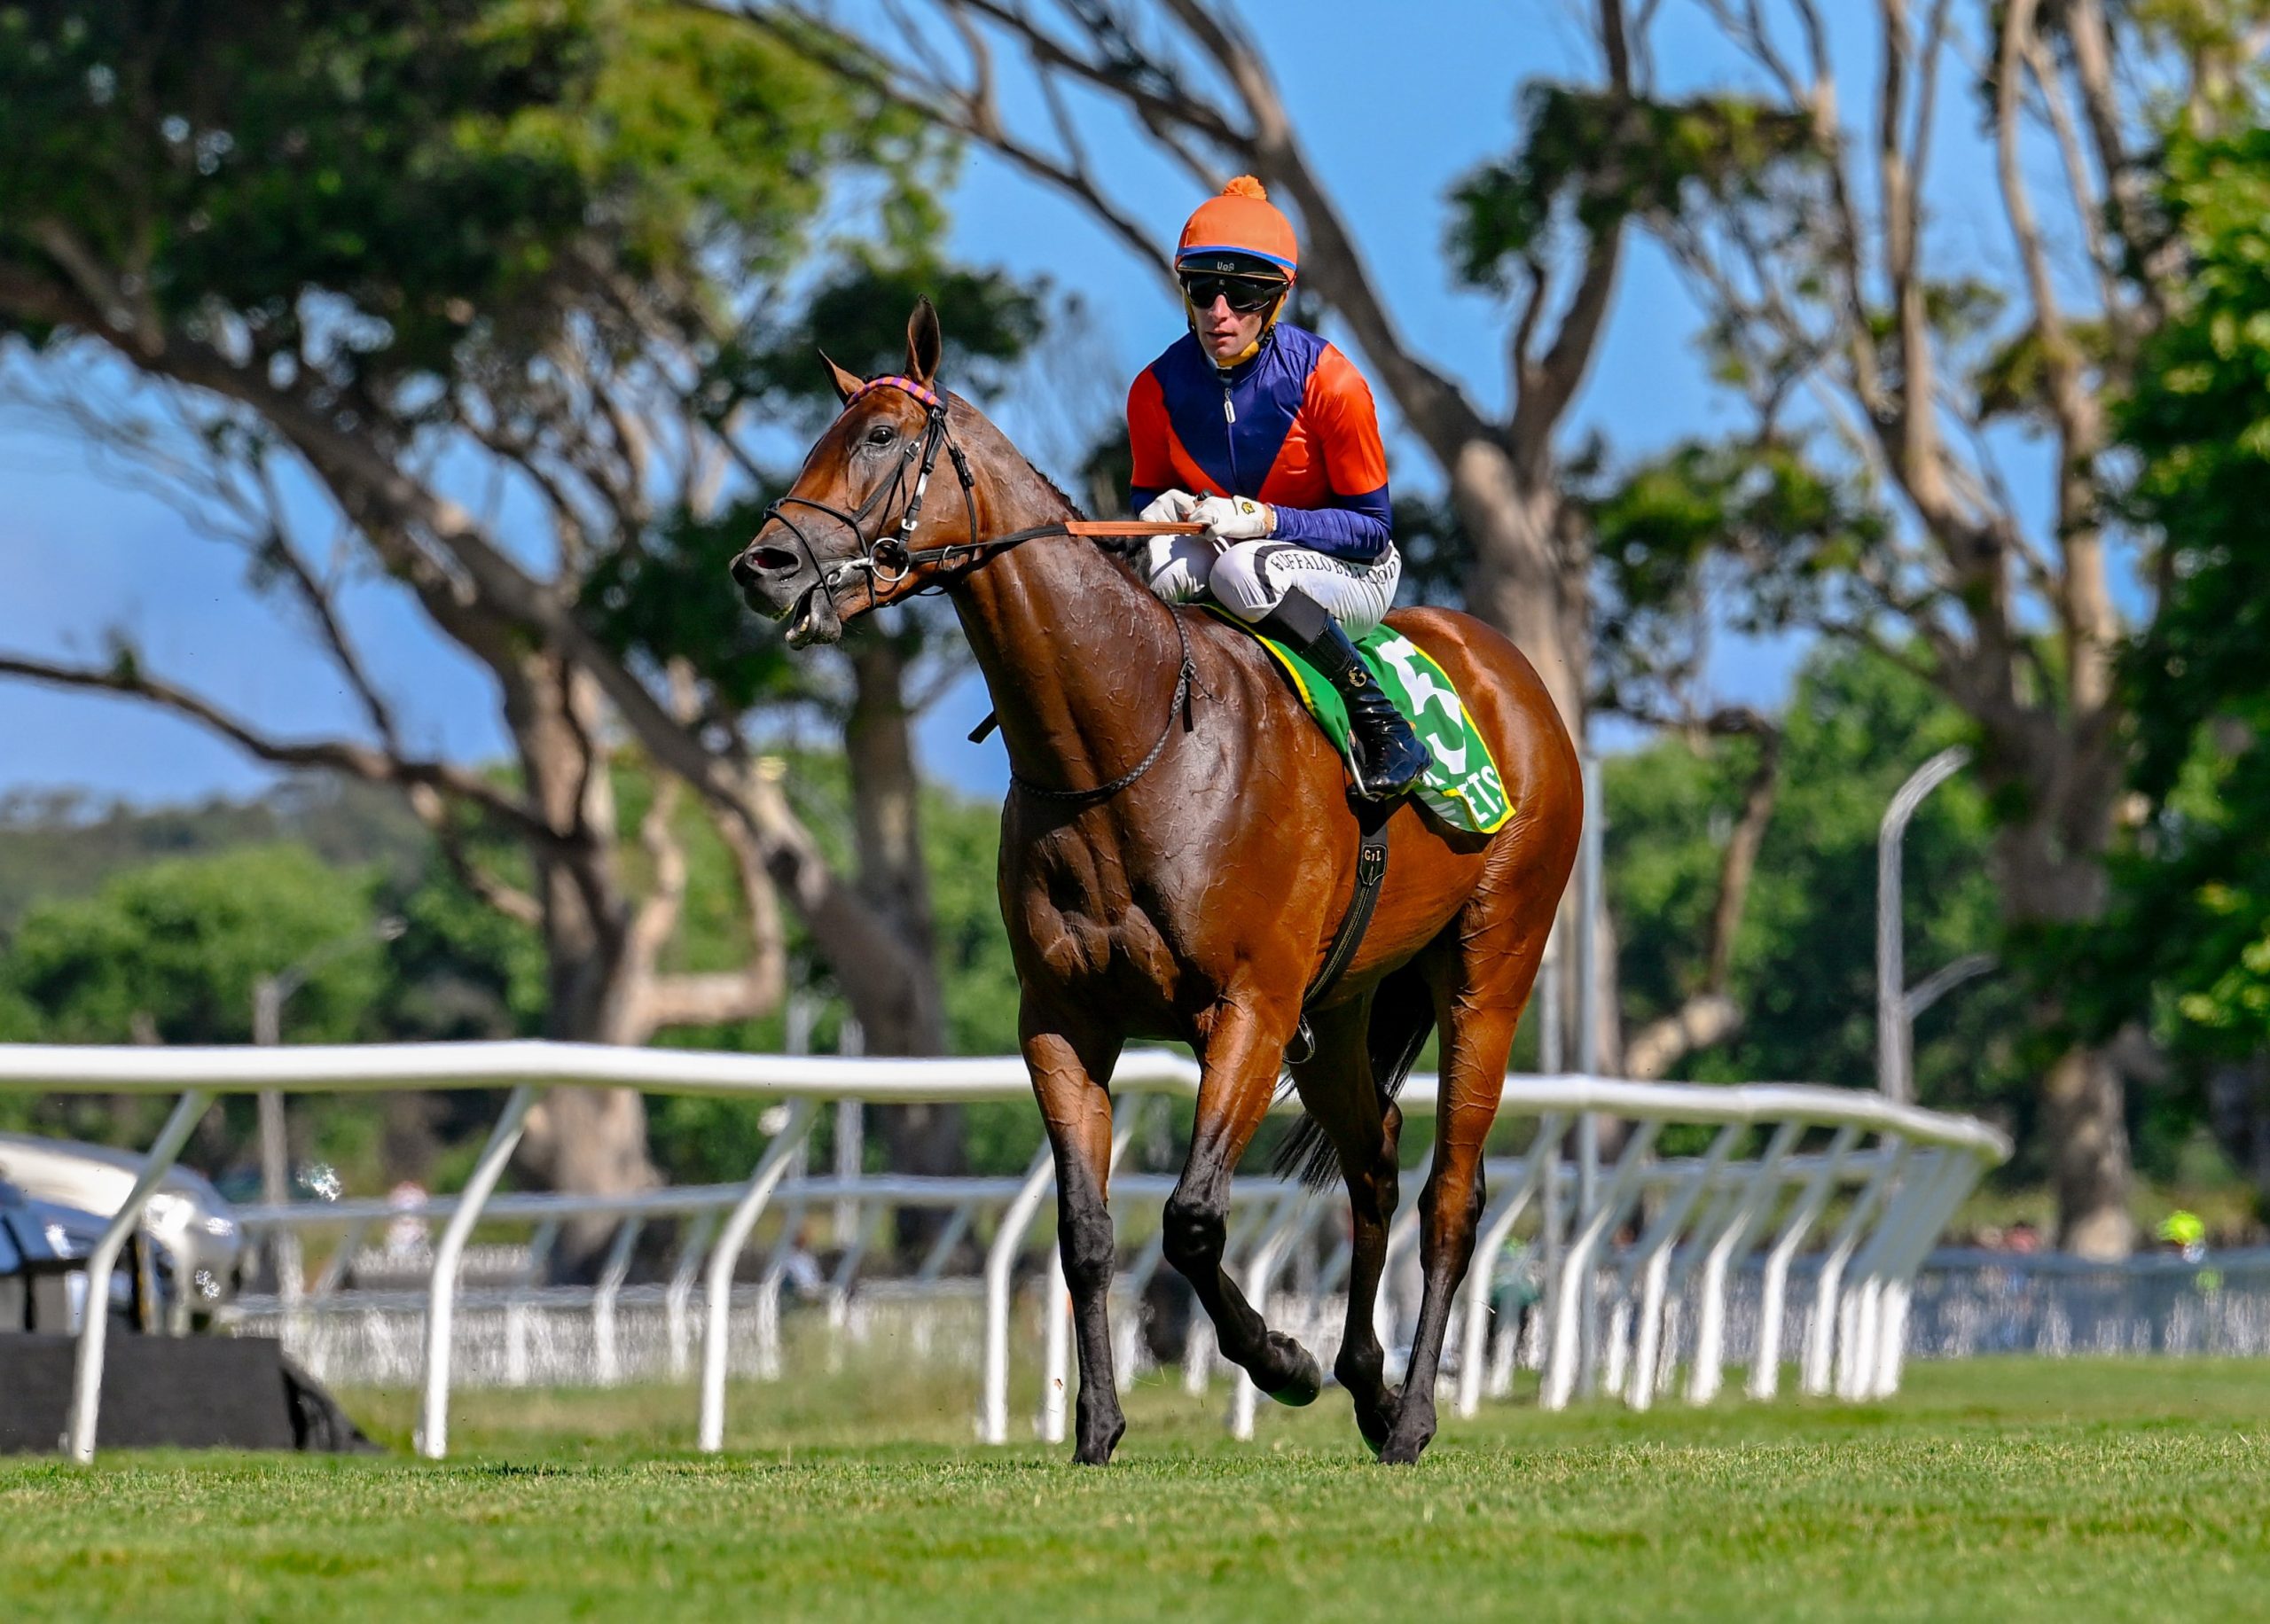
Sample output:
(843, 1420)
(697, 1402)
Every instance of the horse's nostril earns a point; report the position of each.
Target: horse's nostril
(769, 560)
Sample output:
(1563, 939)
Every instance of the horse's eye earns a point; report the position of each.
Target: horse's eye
(882, 435)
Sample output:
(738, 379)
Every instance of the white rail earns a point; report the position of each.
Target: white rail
(1934, 1160)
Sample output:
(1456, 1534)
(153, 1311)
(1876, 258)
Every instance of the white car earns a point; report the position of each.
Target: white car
(186, 1217)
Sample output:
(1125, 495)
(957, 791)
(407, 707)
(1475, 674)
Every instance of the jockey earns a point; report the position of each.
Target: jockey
(1266, 434)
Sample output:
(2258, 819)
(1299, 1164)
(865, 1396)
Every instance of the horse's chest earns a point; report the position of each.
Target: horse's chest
(1078, 914)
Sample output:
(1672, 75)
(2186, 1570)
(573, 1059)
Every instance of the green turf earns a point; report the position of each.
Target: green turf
(2001, 1490)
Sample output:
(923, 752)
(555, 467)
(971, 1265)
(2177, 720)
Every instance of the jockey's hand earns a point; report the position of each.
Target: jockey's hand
(1169, 507)
(1234, 518)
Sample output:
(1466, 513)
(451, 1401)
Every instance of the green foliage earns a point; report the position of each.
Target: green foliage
(1668, 531)
(1603, 159)
(179, 944)
(2192, 915)
(1805, 959)
(382, 191)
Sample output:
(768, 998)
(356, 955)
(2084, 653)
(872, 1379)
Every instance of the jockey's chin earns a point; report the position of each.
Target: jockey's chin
(1227, 334)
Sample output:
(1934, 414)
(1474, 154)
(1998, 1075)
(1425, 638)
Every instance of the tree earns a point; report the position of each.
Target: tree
(1874, 340)
(2188, 932)
(169, 952)
(350, 247)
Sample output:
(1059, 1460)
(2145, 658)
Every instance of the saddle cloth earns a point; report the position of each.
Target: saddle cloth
(1461, 787)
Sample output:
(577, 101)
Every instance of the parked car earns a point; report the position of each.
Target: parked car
(40, 1290)
(185, 1218)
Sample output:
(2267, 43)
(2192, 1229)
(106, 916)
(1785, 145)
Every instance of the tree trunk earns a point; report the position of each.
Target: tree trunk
(2087, 1129)
(586, 1140)
(2050, 868)
(895, 881)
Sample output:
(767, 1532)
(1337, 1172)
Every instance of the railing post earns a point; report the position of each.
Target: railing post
(1704, 1381)
(1651, 1263)
(1001, 1260)
(440, 1299)
(1765, 1358)
(1880, 1373)
(87, 1375)
(771, 1168)
(1820, 1343)
(1565, 1351)
(1260, 1272)
(1494, 1229)
(612, 1274)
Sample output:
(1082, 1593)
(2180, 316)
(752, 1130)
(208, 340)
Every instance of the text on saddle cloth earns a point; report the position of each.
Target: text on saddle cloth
(1461, 785)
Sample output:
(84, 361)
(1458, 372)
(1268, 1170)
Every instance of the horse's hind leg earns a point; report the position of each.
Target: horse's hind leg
(1478, 999)
(1343, 1098)
(1068, 1071)
(1237, 1075)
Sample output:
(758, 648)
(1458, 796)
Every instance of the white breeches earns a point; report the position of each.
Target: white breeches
(1251, 578)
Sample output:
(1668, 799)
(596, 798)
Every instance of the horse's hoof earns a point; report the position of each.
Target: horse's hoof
(1376, 1420)
(1097, 1443)
(1404, 1448)
(1302, 1386)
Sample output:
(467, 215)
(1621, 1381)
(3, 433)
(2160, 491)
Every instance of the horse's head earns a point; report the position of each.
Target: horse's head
(853, 533)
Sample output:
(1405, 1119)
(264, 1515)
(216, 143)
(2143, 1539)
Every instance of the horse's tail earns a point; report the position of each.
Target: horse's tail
(1403, 1017)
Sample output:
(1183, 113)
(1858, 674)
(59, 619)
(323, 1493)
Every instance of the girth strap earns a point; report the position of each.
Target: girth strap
(1371, 875)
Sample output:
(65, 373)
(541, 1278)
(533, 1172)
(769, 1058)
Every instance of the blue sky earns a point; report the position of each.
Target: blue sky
(1392, 106)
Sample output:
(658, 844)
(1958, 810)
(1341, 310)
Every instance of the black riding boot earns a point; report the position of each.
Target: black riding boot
(1390, 759)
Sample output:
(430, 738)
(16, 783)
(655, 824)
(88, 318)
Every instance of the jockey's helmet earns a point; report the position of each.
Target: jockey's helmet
(1240, 247)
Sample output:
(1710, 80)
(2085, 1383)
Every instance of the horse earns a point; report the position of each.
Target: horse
(1177, 848)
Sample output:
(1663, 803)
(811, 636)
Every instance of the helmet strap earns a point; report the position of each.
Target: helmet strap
(1190, 317)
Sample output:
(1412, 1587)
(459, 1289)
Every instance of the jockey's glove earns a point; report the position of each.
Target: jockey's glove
(1169, 507)
(1234, 518)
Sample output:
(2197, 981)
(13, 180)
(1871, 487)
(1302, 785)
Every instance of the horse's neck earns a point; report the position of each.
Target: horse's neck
(1077, 655)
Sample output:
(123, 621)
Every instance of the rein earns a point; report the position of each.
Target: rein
(888, 558)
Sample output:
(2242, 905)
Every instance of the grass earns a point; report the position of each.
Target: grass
(2000, 1489)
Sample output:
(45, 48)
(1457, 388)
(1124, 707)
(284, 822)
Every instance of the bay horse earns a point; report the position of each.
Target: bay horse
(1177, 848)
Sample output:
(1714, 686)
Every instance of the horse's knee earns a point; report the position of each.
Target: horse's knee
(1089, 1250)
(1191, 1234)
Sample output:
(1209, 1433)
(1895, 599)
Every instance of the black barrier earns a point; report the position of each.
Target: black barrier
(191, 1392)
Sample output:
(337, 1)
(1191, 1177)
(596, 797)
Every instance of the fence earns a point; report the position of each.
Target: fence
(1615, 1309)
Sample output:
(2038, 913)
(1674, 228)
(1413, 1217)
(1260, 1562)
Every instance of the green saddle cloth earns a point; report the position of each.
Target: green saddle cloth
(1462, 786)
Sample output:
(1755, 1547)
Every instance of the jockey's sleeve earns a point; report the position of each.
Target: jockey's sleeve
(1358, 523)
(1147, 439)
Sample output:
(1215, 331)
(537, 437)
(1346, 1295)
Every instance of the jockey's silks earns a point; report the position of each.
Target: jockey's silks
(1294, 427)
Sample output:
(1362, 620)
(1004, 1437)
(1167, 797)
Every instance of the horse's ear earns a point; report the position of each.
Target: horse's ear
(923, 342)
(847, 384)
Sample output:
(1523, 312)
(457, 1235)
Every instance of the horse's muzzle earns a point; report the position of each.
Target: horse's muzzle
(779, 584)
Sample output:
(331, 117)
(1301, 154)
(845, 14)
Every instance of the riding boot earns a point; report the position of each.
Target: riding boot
(1390, 759)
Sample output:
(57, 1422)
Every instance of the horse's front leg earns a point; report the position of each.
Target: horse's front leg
(1237, 1077)
(1070, 1068)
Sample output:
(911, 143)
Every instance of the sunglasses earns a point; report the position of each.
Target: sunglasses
(1245, 294)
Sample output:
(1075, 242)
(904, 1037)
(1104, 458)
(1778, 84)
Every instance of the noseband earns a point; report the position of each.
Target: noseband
(886, 559)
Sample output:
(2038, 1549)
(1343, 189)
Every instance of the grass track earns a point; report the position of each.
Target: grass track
(2001, 1489)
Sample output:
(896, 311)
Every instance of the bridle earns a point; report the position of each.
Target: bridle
(887, 557)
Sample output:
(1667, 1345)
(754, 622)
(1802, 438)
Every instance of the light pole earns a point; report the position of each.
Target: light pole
(268, 994)
(1896, 1003)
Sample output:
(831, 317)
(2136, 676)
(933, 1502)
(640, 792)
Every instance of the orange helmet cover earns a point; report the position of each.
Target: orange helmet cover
(1242, 220)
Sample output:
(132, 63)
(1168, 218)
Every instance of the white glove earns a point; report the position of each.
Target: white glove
(1169, 507)
(1234, 518)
